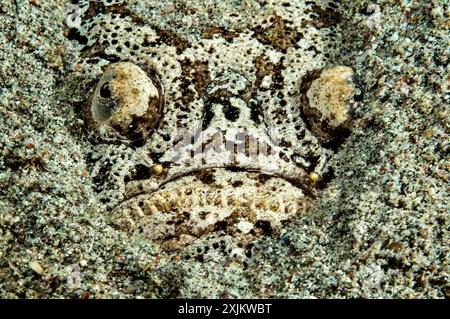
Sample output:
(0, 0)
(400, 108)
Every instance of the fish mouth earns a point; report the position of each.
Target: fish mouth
(218, 188)
(216, 201)
(299, 179)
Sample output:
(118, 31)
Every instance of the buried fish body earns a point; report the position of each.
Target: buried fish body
(209, 133)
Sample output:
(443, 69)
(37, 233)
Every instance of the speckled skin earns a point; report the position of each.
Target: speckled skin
(243, 73)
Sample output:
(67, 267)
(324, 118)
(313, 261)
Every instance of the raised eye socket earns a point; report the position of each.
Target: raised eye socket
(127, 99)
(105, 92)
(328, 99)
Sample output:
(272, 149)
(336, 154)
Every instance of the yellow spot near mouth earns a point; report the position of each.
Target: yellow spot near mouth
(158, 169)
(313, 178)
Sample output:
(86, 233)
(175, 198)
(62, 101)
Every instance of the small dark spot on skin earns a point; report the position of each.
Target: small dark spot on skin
(203, 215)
(221, 225)
(206, 176)
(231, 113)
(75, 35)
(237, 183)
(156, 157)
(172, 39)
(279, 35)
(286, 144)
(248, 250)
(207, 116)
(186, 215)
(102, 176)
(140, 172)
(228, 35)
(137, 139)
(327, 18)
(264, 226)
(255, 113)
(264, 177)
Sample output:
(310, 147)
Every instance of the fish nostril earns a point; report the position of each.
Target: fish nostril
(231, 113)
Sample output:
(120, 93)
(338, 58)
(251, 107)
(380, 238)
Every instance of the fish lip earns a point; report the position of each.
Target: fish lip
(300, 182)
(190, 210)
(213, 209)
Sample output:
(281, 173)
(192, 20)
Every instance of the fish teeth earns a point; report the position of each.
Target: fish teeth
(266, 205)
(194, 199)
(218, 201)
(153, 209)
(203, 202)
(139, 212)
(158, 198)
(167, 206)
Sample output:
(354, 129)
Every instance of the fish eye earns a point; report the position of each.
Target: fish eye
(126, 99)
(105, 91)
(328, 99)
